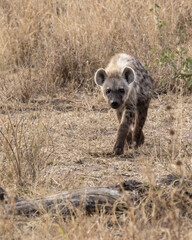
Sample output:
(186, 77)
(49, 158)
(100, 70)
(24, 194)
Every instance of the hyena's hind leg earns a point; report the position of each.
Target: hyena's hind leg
(138, 135)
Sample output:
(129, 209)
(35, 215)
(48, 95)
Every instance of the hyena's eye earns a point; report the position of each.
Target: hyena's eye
(121, 90)
(108, 91)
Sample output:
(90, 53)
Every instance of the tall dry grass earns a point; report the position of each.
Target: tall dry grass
(26, 147)
(46, 45)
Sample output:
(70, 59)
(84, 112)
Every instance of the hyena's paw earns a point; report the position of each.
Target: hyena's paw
(139, 140)
(118, 150)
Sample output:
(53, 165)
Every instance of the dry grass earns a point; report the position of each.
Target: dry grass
(74, 140)
(57, 134)
(47, 45)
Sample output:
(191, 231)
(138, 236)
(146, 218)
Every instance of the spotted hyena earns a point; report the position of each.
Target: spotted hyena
(127, 86)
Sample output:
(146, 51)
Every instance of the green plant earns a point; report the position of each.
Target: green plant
(180, 67)
(176, 60)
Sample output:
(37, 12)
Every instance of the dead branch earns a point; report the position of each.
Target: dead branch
(90, 200)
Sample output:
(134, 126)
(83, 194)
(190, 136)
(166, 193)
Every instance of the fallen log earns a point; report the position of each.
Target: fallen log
(89, 200)
(93, 199)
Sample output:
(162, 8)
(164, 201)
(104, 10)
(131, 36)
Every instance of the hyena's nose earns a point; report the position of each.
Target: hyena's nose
(114, 104)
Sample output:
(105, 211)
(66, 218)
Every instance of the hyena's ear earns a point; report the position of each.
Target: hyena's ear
(100, 76)
(128, 74)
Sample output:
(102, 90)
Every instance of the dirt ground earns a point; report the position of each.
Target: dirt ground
(82, 131)
(66, 143)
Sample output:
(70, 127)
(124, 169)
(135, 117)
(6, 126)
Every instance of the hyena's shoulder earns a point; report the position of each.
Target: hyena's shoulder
(122, 60)
(143, 77)
(143, 80)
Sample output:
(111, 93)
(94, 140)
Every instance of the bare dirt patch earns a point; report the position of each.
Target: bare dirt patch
(82, 131)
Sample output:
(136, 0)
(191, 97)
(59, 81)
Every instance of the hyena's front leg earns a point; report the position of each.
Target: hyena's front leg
(142, 109)
(130, 137)
(124, 128)
(119, 113)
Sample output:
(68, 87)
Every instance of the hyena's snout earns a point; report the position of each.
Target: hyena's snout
(114, 100)
(114, 104)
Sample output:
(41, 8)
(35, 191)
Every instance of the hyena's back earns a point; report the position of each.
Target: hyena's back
(119, 62)
(142, 76)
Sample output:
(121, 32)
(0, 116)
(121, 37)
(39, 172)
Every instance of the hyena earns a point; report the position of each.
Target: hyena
(127, 86)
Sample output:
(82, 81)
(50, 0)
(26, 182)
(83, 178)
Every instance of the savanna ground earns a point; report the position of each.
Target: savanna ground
(57, 133)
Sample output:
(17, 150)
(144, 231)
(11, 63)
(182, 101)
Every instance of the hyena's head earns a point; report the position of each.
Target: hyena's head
(115, 86)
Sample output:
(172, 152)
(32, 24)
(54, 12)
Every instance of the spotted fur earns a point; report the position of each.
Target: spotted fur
(127, 86)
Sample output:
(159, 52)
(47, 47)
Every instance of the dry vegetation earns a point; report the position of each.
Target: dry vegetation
(57, 133)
